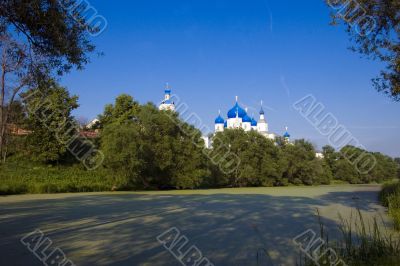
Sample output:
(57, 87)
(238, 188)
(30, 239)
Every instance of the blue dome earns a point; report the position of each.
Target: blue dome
(286, 135)
(246, 119)
(236, 109)
(262, 111)
(219, 120)
(253, 122)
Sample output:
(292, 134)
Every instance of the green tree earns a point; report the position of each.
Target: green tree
(385, 169)
(302, 167)
(346, 171)
(258, 159)
(161, 150)
(397, 160)
(50, 120)
(57, 38)
(373, 26)
(120, 143)
(124, 109)
(37, 39)
(330, 157)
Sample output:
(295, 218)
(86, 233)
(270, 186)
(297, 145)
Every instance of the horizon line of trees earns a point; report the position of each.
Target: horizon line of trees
(147, 149)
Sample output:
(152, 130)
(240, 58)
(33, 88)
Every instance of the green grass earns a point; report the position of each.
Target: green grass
(360, 243)
(20, 177)
(390, 197)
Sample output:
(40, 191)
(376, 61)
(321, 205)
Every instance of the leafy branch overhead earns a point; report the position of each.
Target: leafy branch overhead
(373, 27)
(51, 32)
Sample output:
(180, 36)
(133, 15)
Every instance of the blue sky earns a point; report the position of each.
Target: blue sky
(211, 51)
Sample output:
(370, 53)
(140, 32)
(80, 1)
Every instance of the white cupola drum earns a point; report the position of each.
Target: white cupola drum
(167, 104)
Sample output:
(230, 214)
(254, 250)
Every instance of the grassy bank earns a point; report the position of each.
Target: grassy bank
(360, 243)
(18, 177)
(390, 197)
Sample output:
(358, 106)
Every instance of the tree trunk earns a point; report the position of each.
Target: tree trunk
(5, 149)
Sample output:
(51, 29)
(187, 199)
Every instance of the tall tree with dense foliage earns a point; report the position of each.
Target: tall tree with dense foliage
(49, 110)
(151, 148)
(374, 28)
(302, 166)
(258, 161)
(38, 38)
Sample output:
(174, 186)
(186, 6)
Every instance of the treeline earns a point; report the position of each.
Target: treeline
(264, 162)
(153, 149)
(145, 148)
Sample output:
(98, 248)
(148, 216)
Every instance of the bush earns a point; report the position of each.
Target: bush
(390, 197)
(22, 176)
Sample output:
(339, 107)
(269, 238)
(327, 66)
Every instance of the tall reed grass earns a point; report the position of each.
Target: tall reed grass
(360, 243)
(390, 197)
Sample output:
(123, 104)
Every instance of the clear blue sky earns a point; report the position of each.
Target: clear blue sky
(210, 51)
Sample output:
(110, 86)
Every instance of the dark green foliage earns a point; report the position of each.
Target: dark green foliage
(346, 164)
(17, 114)
(330, 156)
(124, 109)
(59, 39)
(49, 118)
(345, 171)
(262, 163)
(302, 167)
(16, 119)
(390, 197)
(20, 175)
(151, 148)
(397, 160)
(257, 161)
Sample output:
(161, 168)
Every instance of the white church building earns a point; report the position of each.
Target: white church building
(238, 117)
(167, 104)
